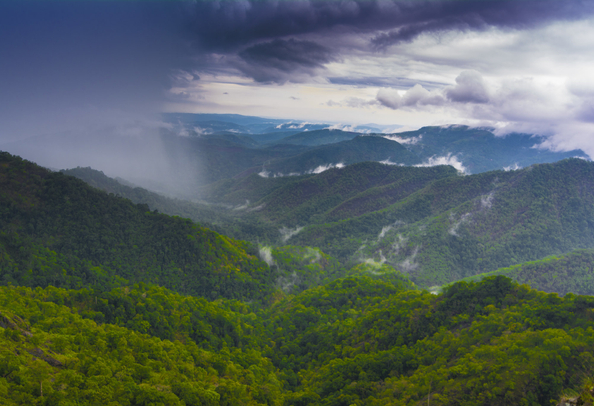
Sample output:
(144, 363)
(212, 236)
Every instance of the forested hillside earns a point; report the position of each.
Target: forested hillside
(58, 228)
(353, 341)
(461, 226)
(563, 274)
(106, 302)
(429, 222)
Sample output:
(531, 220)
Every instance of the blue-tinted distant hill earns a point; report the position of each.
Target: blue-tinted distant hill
(237, 123)
(479, 150)
(318, 137)
(231, 118)
(358, 149)
(209, 123)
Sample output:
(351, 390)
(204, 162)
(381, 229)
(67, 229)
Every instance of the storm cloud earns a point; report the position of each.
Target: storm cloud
(279, 60)
(227, 25)
(280, 41)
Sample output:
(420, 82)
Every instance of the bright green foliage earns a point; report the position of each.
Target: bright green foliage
(162, 313)
(50, 355)
(383, 272)
(489, 343)
(304, 329)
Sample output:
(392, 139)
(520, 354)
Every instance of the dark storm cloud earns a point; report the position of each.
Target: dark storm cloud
(466, 15)
(278, 60)
(240, 27)
(227, 25)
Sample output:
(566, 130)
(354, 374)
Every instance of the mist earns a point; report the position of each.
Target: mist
(83, 84)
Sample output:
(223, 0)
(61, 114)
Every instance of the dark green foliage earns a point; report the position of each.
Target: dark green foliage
(434, 225)
(344, 193)
(81, 225)
(461, 226)
(221, 219)
(563, 274)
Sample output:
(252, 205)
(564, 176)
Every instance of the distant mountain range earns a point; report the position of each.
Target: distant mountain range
(191, 151)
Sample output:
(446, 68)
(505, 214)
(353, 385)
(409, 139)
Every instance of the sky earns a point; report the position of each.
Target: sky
(109, 67)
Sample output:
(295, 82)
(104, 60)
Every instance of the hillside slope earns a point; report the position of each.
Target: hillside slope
(63, 219)
(461, 226)
(562, 274)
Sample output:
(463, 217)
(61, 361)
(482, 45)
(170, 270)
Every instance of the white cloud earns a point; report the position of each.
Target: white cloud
(453, 230)
(403, 140)
(323, 168)
(513, 167)
(413, 97)
(389, 162)
(444, 160)
(266, 255)
(349, 128)
(287, 233)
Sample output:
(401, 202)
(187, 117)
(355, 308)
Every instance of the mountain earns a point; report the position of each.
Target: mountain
(221, 122)
(318, 137)
(478, 149)
(344, 193)
(357, 149)
(182, 154)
